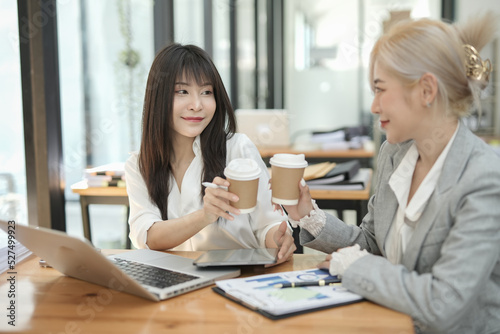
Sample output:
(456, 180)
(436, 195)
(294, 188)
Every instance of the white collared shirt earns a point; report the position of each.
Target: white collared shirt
(408, 214)
(245, 231)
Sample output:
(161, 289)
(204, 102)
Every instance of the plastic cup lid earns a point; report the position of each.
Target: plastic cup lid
(286, 160)
(242, 169)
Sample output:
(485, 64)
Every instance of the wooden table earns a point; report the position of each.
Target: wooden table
(48, 302)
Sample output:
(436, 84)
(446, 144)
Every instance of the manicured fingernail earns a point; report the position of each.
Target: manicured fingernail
(302, 182)
(268, 186)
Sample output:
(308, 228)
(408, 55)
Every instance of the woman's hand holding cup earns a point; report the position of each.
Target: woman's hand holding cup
(236, 195)
(216, 202)
(288, 186)
(304, 206)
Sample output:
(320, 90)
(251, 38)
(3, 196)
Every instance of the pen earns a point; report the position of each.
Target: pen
(321, 282)
(212, 185)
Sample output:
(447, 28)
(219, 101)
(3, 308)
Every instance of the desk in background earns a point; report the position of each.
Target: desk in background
(341, 200)
(103, 195)
(48, 302)
(316, 156)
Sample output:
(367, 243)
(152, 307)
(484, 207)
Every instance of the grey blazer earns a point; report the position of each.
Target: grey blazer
(449, 279)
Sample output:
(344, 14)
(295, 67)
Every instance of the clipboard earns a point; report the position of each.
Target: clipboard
(258, 294)
(278, 317)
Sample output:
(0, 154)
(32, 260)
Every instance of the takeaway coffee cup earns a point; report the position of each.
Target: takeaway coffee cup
(243, 174)
(287, 170)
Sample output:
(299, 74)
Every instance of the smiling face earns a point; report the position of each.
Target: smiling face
(397, 107)
(193, 108)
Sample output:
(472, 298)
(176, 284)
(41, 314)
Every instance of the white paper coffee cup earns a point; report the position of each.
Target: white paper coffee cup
(243, 176)
(287, 171)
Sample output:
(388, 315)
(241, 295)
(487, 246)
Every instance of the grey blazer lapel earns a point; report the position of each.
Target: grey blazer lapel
(452, 169)
(387, 204)
(387, 209)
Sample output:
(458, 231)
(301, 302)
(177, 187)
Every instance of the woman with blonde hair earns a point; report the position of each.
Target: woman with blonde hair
(430, 243)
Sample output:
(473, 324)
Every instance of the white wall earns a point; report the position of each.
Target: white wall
(322, 97)
(336, 94)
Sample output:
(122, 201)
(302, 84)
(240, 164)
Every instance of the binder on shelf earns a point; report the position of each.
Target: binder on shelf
(344, 171)
(318, 170)
(358, 182)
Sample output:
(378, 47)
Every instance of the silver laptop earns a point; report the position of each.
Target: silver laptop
(264, 127)
(146, 273)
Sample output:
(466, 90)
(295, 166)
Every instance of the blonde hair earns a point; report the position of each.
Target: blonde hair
(415, 47)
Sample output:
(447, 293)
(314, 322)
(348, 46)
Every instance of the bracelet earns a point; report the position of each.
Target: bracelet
(314, 222)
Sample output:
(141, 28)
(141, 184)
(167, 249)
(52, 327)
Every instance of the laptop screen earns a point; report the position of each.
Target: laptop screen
(265, 127)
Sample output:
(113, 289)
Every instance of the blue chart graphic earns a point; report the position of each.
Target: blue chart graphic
(264, 279)
(271, 281)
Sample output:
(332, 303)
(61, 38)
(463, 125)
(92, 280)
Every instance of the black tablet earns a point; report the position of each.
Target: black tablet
(237, 257)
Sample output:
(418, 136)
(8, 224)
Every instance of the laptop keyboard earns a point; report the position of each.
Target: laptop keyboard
(152, 276)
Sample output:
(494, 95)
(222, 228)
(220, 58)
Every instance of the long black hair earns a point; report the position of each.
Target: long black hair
(156, 152)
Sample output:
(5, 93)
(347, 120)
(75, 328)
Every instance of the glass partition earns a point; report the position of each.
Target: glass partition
(105, 52)
(13, 202)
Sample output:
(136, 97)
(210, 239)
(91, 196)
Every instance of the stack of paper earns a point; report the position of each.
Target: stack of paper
(341, 139)
(109, 175)
(12, 255)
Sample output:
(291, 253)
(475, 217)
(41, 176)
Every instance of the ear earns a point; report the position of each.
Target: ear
(428, 84)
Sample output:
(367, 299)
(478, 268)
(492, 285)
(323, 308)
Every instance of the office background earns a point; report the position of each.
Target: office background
(307, 56)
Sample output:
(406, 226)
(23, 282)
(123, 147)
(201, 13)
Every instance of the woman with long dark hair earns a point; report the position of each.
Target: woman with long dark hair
(188, 137)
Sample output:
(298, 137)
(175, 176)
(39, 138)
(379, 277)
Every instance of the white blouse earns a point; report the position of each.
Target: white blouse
(245, 231)
(408, 214)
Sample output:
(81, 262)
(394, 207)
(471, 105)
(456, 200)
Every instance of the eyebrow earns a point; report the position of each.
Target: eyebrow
(376, 81)
(187, 84)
